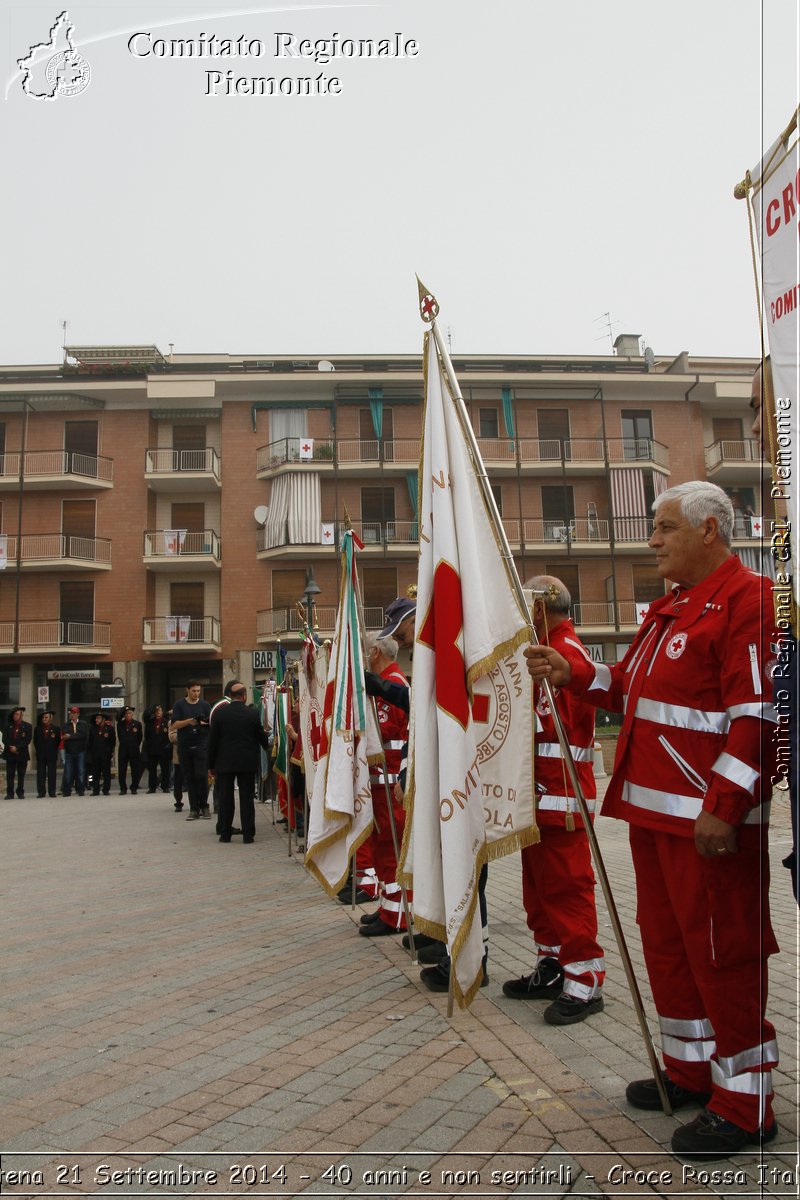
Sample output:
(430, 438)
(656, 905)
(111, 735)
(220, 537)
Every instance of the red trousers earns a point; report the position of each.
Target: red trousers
(558, 895)
(384, 857)
(706, 936)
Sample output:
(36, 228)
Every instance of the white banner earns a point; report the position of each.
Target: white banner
(3, 551)
(306, 448)
(312, 677)
(776, 206)
(340, 815)
(465, 635)
(173, 540)
(326, 534)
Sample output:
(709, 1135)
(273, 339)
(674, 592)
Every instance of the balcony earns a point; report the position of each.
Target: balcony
(181, 633)
(399, 536)
(734, 462)
(168, 470)
(603, 617)
(57, 637)
(64, 469)
(176, 550)
(60, 551)
(273, 624)
(541, 456)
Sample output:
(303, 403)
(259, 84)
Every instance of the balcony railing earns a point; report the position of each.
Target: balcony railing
(177, 630)
(732, 452)
(177, 543)
(601, 613)
(577, 531)
(175, 462)
(293, 450)
(58, 463)
(39, 547)
(276, 622)
(404, 452)
(54, 634)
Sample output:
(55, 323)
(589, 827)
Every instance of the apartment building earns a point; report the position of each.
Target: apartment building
(161, 516)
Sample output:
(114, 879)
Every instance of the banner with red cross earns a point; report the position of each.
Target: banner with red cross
(470, 790)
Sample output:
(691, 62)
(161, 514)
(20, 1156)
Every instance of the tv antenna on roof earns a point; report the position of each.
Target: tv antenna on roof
(606, 317)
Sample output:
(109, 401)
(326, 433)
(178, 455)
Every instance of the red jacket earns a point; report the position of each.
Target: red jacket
(577, 717)
(696, 693)
(393, 724)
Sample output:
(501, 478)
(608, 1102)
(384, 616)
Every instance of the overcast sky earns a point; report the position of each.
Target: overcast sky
(539, 164)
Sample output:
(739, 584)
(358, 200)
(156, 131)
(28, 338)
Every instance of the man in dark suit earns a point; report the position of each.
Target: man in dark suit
(129, 741)
(16, 751)
(233, 756)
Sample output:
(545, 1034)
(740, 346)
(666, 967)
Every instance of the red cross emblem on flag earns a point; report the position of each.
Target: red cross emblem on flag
(755, 525)
(428, 307)
(306, 448)
(327, 534)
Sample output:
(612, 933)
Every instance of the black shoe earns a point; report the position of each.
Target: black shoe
(362, 897)
(368, 918)
(134, 791)
(377, 928)
(40, 795)
(205, 814)
(281, 821)
(123, 791)
(151, 791)
(643, 1093)
(223, 838)
(235, 830)
(421, 941)
(248, 841)
(177, 807)
(437, 979)
(433, 954)
(545, 983)
(710, 1136)
(193, 816)
(567, 1010)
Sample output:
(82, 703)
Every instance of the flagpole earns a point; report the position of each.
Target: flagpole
(392, 824)
(429, 309)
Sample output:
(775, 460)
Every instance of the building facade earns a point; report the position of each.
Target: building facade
(160, 517)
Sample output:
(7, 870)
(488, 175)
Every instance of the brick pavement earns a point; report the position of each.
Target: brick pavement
(172, 1005)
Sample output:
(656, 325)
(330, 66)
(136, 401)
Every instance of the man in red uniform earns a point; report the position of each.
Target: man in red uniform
(693, 778)
(557, 878)
(389, 916)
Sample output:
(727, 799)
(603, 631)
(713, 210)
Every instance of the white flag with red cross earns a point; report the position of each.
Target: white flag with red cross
(470, 784)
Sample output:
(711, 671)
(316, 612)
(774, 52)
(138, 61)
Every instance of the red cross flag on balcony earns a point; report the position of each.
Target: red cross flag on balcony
(756, 527)
(326, 535)
(307, 448)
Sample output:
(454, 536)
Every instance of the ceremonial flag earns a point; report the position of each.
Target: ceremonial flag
(470, 788)
(313, 678)
(340, 817)
(282, 710)
(775, 207)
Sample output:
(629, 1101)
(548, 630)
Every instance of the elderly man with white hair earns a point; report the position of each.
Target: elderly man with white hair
(693, 778)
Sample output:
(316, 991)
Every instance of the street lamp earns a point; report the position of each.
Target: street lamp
(311, 591)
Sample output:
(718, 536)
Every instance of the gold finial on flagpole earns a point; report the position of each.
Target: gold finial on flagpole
(428, 304)
(411, 591)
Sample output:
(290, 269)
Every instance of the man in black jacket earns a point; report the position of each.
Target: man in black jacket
(129, 738)
(74, 737)
(16, 752)
(233, 756)
(46, 739)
